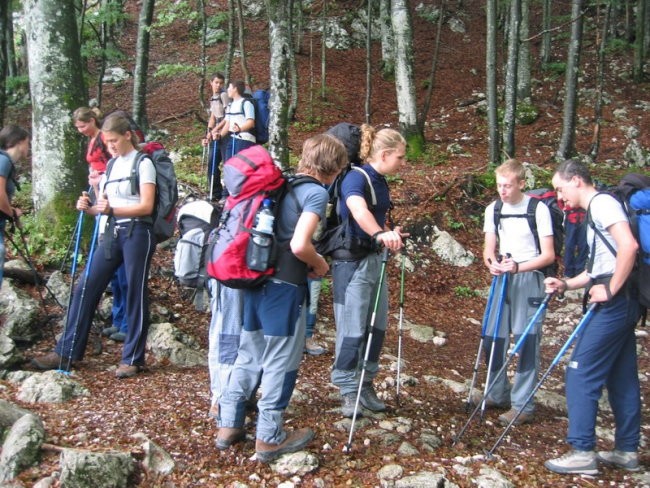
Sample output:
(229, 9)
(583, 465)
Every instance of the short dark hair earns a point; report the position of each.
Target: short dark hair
(219, 75)
(11, 136)
(240, 86)
(572, 167)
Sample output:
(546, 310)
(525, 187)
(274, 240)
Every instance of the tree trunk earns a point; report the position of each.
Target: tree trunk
(387, 39)
(404, 84)
(368, 63)
(432, 73)
(12, 68)
(567, 140)
(280, 48)
(545, 51)
(523, 63)
(323, 51)
(57, 88)
(142, 65)
(293, 69)
(600, 75)
(203, 19)
(242, 46)
(491, 81)
(510, 110)
(639, 41)
(296, 25)
(5, 19)
(230, 52)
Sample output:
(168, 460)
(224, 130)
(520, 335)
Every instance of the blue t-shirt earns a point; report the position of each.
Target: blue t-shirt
(6, 170)
(355, 183)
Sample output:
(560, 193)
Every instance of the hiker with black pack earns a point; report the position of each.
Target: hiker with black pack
(575, 240)
(356, 266)
(126, 237)
(240, 120)
(14, 146)
(511, 254)
(605, 354)
(273, 336)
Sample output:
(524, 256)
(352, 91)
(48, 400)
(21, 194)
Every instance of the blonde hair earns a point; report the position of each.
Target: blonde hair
(374, 141)
(86, 114)
(120, 125)
(323, 155)
(512, 167)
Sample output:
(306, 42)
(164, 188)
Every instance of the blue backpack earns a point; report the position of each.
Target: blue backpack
(260, 101)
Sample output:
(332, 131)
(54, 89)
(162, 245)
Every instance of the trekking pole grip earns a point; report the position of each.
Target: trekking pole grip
(384, 255)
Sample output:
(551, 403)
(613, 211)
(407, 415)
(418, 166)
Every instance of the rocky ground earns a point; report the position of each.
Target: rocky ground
(414, 437)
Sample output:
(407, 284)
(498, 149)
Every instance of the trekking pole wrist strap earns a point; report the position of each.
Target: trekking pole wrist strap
(565, 285)
(376, 235)
(516, 268)
(608, 291)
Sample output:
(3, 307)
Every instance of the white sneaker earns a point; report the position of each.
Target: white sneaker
(574, 462)
(620, 459)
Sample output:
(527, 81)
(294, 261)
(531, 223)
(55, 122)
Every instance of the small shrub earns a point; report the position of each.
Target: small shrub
(464, 291)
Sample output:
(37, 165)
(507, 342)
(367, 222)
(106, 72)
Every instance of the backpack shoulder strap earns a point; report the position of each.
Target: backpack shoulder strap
(369, 188)
(597, 232)
(531, 212)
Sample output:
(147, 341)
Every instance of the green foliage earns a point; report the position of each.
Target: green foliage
(168, 70)
(464, 291)
(307, 126)
(191, 170)
(487, 180)
(555, 69)
(414, 146)
(110, 15)
(526, 113)
(451, 223)
(17, 89)
(433, 156)
(173, 11)
(617, 46)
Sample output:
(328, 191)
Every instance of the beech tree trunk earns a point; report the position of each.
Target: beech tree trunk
(639, 41)
(242, 45)
(280, 47)
(545, 50)
(491, 82)
(566, 147)
(510, 110)
(387, 39)
(4, 21)
(142, 65)
(523, 63)
(56, 82)
(432, 73)
(404, 79)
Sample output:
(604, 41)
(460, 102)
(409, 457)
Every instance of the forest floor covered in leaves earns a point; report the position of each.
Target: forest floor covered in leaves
(171, 405)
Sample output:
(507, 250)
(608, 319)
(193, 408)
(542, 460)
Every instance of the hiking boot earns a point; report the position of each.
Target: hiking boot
(294, 442)
(620, 459)
(477, 397)
(347, 405)
(118, 336)
(109, 331)
(313, 348)
(51, 360)
(574, 462)
(214, 411)
(227, 436)
(127, 370)
(370, 400)
(524, 417)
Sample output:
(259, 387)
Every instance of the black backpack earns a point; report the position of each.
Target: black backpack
(633, 193)
(548, 198)
(166, 187)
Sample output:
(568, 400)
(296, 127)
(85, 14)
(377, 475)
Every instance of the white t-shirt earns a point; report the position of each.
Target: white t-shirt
(605, 211)
(515, 236)
(238, 112)
(118, 188)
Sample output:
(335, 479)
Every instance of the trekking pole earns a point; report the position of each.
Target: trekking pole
(486, 316)
(497, 325)
(401, 322)
(213, 166)
(81, 298)
(524, 335)
(384, 258)
(583, 322)
(204, 161)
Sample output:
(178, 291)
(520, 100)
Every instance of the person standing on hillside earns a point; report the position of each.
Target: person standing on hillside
(356, 269)
(605, 353)
(510, 253)
(217, 144)
(239, 121)
(14, 146)
(273, 335)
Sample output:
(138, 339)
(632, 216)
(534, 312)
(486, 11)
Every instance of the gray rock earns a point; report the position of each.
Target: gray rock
(21, 448)
(84, 469)
(20, 313)
(490, 478)
(165, 341)
(50, 387)
(156, 460)
(10, 355)
(296, 463)
(423, 479)
(450, 251)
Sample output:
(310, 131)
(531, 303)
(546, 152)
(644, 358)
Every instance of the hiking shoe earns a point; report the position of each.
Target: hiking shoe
(347, 405)
(477, 397)
(118, 336)
(574, 462)
(294, 442)
(370, 400)
(227, 436)
(313, 348)
(51, 360)
(127, 370)
(214, 411)
(524, 417)
(620, 459)
(109, 331)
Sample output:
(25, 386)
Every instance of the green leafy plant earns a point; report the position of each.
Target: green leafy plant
(464, 291)
(451, 223)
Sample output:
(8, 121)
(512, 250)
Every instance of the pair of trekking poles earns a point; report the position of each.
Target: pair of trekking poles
(347, 448)
(489, 383)
(213, 161)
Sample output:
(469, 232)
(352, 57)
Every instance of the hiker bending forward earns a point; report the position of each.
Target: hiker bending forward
(605, 353)
(356, 269)
(273, 336)
(511, 253)
(126, 236)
